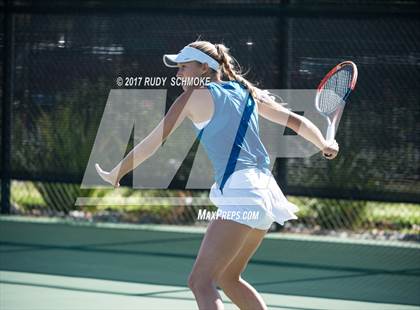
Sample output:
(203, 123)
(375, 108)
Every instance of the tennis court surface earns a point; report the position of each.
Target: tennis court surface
(53, 264)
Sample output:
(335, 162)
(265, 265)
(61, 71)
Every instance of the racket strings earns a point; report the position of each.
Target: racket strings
(335, 90)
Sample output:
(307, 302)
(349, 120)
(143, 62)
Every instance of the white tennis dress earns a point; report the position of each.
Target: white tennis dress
(252, 197)
(244, 191)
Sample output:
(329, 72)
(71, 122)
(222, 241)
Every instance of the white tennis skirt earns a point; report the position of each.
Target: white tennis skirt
(252, 197)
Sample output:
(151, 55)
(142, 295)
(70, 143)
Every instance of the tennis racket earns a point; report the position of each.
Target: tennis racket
(332, 93)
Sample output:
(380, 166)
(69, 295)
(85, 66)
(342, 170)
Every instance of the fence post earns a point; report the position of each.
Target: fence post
(8, 64)
(284, 59)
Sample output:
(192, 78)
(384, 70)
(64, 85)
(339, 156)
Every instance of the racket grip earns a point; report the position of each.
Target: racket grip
(330, 132)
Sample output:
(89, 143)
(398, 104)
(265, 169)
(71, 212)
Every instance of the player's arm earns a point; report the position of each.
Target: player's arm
(150, 144)
(299, 124)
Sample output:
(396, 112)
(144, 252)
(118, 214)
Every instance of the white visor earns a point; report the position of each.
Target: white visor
(188, 54)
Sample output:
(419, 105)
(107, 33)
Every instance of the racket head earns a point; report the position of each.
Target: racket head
(335, 87)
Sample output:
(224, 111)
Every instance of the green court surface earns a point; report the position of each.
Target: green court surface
(47, 264)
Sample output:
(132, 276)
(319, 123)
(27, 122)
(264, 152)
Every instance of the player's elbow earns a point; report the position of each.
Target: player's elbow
(294, 122)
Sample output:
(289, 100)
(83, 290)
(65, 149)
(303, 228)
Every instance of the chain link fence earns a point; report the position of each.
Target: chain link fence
(66, 62)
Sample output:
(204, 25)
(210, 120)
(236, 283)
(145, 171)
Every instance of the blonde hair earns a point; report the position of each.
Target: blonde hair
(221, 53)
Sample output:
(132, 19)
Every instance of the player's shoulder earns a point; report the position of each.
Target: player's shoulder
(198, 93)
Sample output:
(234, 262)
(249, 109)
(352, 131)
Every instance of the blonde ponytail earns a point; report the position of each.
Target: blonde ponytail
(228, 68)
(221, 53)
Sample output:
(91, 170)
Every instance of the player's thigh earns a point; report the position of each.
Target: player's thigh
(241, 259)
(221, 243)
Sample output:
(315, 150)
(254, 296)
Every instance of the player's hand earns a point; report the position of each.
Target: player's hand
(330, 150)
(110, 177)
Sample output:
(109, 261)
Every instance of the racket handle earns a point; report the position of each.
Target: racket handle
(330, 132)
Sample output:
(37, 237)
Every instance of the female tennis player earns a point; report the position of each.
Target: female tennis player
(225, 117)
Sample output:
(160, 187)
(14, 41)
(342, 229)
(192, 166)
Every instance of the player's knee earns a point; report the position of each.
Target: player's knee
(191, 280)
(225, 280)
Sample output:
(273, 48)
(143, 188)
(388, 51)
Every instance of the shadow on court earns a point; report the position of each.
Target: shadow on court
(374, 273)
